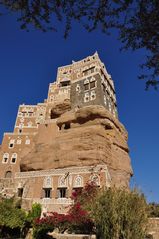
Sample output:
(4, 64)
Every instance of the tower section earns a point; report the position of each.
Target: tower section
(92, 85)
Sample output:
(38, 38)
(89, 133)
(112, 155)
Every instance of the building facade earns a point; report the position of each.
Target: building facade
(81, 84)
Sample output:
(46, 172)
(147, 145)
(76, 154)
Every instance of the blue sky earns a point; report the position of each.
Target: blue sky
(29, 61)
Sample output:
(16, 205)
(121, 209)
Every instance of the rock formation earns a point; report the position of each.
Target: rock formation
(85, 137)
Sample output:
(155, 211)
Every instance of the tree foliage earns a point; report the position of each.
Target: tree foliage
(14, 221)
(153, 209)
(120, 214)
(12, 218)
(137, 22)
(34, 213)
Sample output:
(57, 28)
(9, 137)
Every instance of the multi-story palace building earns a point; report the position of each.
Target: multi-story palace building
(79, 85)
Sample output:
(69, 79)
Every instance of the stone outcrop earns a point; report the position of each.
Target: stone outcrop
(60, 108)
(83, 137)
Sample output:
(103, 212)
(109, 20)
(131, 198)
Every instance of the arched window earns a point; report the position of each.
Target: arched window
(14, 158)
(47, 182)
(95, 179)
(78, 182)
(5, 158)
(11, 143)
(62, 191)
(47, 187)
(62, 182)
(8, 174)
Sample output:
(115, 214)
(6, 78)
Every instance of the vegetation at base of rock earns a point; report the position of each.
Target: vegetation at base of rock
(12, 218)
(14, 221)
(120, 214)
(110, 214)
(153, 209)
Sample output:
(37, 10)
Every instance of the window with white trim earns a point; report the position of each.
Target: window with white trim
(95, 179)
(11, 143)
(5, 158)
(93, 95)
(62, 192)
(27, 141)
(14, 158)
(86, 97)
(78, 182)
(19, 141)
(90, 84)
(62, 182)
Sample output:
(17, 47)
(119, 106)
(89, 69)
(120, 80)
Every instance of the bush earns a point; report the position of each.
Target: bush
(120, 214)
(34, 213)
(153, 209)
(42, 227)
(12, 219)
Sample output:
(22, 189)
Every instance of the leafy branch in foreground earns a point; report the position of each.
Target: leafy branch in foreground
(137, 22)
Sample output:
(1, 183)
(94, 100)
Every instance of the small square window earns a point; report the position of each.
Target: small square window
(47, 192)
(92, 84)
(86, 87)
(27, 141)
(19, 141)
(11, 145)
(13, 160)
(62, 192)
(20, 192)
(5, 160)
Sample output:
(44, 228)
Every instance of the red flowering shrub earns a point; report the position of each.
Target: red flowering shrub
(86, 194)
(80, 221)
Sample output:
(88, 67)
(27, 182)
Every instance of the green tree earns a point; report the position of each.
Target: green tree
(34, 213)
(12, 219)
(137, 22)
(120, 214)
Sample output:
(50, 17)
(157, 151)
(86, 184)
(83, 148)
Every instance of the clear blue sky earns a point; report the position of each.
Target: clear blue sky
(28, 63)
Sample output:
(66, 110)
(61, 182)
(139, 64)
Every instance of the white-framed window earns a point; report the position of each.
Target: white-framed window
(93, 95)
(62, 182)
(95, 179)
(86, 97)
(19, 141)
(105, 100)
(47, 192)
(5, 158)
(78, 88)
(21, 125)
(22, 120)
(30, 123)
(14, 158)
(78, 182)
(11, 143)
(47, 183)
(109, 106)
(51, 98)
(86, 82)
(90, 84)
(62, 192)
(27, 141)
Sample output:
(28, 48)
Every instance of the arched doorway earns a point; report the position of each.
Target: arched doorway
(8, 174)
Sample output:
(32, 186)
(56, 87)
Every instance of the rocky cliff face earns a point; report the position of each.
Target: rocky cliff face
(87, 136)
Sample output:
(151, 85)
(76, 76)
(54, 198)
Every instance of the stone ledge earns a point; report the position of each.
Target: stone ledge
(71, 236)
